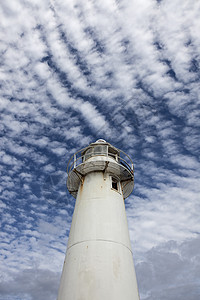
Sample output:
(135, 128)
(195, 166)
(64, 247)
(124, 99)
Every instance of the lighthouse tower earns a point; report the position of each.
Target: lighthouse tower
(99, 263)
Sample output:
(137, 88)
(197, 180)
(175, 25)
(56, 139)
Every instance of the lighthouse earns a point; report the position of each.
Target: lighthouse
(99, 261)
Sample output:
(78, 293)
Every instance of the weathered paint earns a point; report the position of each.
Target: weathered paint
(98, 263)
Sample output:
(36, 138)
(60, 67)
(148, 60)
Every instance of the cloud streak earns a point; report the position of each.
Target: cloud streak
(75, 71)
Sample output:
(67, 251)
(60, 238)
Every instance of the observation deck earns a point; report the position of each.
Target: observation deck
(100, 156)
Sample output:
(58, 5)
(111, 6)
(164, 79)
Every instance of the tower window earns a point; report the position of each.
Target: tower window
(115, 184)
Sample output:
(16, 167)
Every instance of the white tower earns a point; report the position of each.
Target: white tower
(99, 262)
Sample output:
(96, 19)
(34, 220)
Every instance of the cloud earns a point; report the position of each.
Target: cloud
(172, 269)
(76, 71)
(31, 284)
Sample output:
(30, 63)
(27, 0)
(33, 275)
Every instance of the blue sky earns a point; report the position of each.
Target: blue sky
(72, 72)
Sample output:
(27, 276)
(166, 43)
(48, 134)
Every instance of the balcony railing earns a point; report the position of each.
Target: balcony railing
(120, 157)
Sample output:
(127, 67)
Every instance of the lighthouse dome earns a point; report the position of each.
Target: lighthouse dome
(100, 141)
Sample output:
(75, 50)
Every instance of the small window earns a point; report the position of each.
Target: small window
(115, 185)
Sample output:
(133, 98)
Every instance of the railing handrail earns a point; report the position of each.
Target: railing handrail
(73, 157)
(72, 163)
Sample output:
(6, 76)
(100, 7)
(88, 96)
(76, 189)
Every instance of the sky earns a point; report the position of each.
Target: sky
(75, 71)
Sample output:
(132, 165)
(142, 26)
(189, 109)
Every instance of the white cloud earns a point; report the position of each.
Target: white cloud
(76, 70)
(170, 270)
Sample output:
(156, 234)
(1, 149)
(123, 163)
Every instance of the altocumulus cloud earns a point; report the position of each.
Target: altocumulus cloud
(75, 71)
